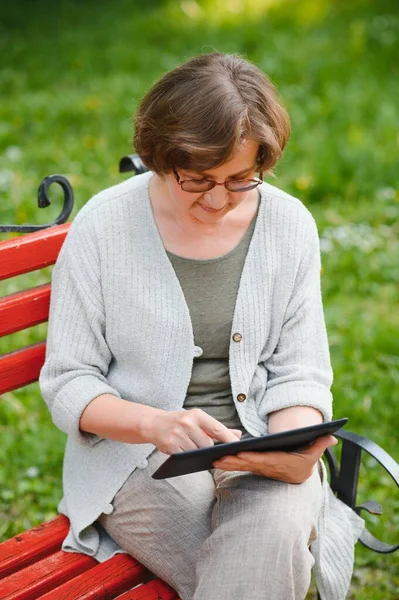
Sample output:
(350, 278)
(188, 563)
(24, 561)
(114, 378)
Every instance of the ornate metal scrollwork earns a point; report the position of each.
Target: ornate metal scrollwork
(43, 201)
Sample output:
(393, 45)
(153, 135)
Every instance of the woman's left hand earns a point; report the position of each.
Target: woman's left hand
(290, 467)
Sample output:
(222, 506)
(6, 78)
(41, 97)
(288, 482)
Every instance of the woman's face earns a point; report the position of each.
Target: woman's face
(210, 207)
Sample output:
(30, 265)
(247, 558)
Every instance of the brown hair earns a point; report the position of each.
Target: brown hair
(193, 117)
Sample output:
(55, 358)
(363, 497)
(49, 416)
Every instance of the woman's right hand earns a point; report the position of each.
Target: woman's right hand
(181, 430)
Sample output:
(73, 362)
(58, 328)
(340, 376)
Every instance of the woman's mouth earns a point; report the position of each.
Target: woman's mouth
(211, 210)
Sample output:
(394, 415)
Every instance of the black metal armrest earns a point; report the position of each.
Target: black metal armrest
(132, 162)
(344, 479)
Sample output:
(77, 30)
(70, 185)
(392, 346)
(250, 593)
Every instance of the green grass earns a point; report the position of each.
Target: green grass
(70, 80)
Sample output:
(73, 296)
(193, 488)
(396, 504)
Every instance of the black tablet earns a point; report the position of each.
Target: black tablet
(203, 458)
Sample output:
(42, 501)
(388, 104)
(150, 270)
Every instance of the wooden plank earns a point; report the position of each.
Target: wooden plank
(44, 575)
(154, 590)
(24, 309)
(32, 545)
(31, 251)
(21, 367)
(106, 580)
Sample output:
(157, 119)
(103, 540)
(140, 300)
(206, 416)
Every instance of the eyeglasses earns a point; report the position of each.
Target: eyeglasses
(196, 186)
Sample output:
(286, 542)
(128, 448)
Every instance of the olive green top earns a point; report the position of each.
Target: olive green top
(210, 288)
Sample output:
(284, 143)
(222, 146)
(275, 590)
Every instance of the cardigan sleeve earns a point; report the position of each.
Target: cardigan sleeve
(77, 354)
(299, 370)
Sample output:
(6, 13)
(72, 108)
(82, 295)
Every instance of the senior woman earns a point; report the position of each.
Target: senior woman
(186, 308)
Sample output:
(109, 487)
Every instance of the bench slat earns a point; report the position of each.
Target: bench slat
(44, 575)
(32, 251)
(33, 545)
(24, 309)
(154, 590)
(104, 581)
(21, 367)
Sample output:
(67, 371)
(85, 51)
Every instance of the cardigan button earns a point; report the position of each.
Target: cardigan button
(241, 397)
(198, 352)
(108, 509)
(237, 337)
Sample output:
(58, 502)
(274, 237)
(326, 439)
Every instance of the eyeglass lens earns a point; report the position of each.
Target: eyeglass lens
(232, 186)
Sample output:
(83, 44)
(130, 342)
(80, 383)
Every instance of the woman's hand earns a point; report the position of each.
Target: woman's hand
(290, 467)
(181, 430)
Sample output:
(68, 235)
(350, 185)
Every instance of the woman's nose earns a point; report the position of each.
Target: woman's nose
(216, 197)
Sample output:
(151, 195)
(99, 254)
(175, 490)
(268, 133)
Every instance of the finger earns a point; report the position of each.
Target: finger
(177, 447)
(328, 440)
(257, 457)
(231, 459)
(200, 438)
(227, 458)
(319, 446)
(237, 432)
(186, 444)
(190, 429)
(217, 430)
(231, 463)
(224, 467)
(333, 439)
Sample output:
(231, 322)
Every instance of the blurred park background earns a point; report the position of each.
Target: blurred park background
(71, 76)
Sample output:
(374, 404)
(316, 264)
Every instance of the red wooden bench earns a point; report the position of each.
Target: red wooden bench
(32, 564)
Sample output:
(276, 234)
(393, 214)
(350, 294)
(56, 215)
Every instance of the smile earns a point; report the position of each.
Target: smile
(212, 210)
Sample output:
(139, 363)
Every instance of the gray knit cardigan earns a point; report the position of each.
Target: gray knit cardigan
(119, 324)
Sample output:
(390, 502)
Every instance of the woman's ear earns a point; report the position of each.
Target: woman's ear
(261, 157)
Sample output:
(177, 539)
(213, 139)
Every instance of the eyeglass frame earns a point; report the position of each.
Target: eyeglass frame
(214, 183)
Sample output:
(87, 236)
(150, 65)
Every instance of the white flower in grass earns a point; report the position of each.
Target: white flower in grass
(326, 245)
(354, 235)
(32, 472)
(386, 193)
(13, 153)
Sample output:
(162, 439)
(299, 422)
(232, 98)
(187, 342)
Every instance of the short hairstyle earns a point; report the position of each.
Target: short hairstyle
(196, 114)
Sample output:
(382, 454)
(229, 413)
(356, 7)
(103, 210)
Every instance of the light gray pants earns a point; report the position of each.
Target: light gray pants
(218, 535)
